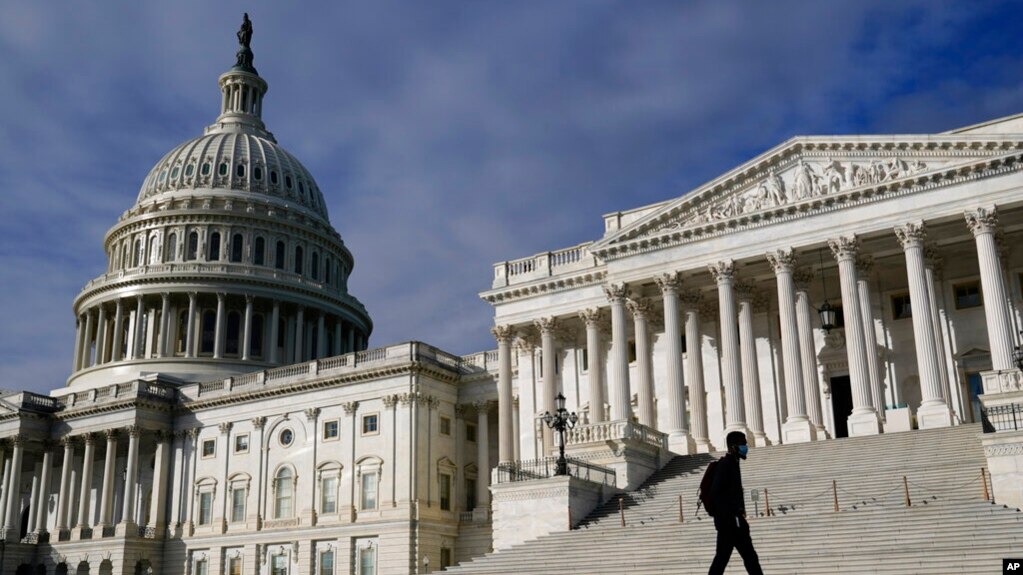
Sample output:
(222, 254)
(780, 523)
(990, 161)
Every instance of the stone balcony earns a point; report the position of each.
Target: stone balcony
(544, 265)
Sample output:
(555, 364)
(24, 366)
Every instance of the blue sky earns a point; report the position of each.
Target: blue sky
(447, 136)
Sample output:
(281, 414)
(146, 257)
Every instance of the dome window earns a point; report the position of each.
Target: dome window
(301, 189)
(279, 256)
(258, 255)
(205, 169)
(273, 177)
(298, 260)
(236, 248)
(287, 181)
(314, 266)
(193, 246)
(214, 253)
(174, 172)
(222, 170)
(234, 321)
(257, 173)
(189, 170)
(163, 175)
(240, 171)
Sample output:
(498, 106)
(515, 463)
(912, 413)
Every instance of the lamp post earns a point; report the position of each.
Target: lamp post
(561, 421)
(426, 563)
(827, 313)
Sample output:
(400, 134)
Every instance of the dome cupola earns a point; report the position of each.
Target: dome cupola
(226, 264)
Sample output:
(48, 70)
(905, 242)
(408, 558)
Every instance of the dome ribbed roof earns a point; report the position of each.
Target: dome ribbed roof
(234, 160)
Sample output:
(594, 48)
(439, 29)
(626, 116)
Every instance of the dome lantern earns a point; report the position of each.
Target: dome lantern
(242, 91)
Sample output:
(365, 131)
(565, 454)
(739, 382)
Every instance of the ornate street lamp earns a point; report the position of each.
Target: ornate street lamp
(1017, 354)
(561, 421)
(828, 314)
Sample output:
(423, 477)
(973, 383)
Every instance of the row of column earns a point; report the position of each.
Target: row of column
(101, 340)
(739, 370)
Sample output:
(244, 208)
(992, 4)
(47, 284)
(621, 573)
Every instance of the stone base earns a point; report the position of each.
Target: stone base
(1004, 453)
(681, 443)
(125, 528)
(931, 416)
(703, 446)
(798, 431)
(526, 510)
(898, 419)
(864, 423)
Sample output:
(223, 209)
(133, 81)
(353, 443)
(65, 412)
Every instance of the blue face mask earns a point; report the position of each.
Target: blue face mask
(743, 450)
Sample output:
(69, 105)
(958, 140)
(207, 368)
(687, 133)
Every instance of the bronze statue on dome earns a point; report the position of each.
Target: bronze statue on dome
(244, 54)
(245, 32)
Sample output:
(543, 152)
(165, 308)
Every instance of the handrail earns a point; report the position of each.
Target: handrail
(1006, 417)
(543, 468)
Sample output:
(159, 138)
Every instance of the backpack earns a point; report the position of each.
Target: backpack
(704, 492)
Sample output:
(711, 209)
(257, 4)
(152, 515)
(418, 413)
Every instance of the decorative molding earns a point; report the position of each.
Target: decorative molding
(390, 400)
(350, 407)
(782, 261)
(546, 325)
(845, 247)
(225, 427)
(312, 413)
(691, 298)
(591, 316)
(864, 265)
(982, 220)
(258, 422)
(722, 271)
(668, 282)
(911, 234)
(1005, 449)
(503, 333)
(616, 291)
(639, 307)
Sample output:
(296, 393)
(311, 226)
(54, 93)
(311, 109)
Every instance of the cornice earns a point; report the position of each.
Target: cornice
(545, 286)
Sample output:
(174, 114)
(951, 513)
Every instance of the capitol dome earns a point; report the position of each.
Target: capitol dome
(226, 263)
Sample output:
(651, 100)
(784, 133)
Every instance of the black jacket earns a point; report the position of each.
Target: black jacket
(726, 490)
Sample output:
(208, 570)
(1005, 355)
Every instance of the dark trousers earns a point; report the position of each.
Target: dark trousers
(734, 536)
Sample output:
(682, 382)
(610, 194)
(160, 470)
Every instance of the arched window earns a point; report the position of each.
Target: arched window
(182, 332)
(273, 177)
(154, 251)
(222, 170)
(236, 248)
(214, 251)
(287, 182)
(256, 337)
(209, 331)
(138, 254)
(234, 321)
(193, 246)
(284, 493)
(189, 170)
(314, 266)
(240, 171)
(257, 173)
(298, 260)
(326, 270)
(258, 254)
(279, 256)
(206, 168)
(171, 249)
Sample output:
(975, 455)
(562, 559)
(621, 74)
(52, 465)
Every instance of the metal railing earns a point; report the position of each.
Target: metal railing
(1008, 417)
(543, 468)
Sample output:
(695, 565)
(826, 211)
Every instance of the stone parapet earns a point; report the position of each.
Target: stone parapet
(526, 510)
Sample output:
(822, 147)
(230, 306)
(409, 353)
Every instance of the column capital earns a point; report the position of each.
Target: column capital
(49, 444)
(165, 295)
(691, 298)
(803, 278)
(225, 427)
(911, 234)
(461, 410)
(525, 343)
(138, 298)
(67, 441)
(350, 407)
(163, 436)
(845, 247)
(982, 220)
(864, 264)
(192, 432)
(390, 400)
(221, 295)
(933, 259)
(591, 316)
(782, 260)
(259, 421)
(192, 295)
(19, 440)
(616, 292)
(89, 438)
(482, 406)
(134, 431)
(639, 307)
(669, 282)
(722, 271)
(312, 413)
(546, 325)
(249, 298)
(745, 290)
(111, 434)
(503, 333)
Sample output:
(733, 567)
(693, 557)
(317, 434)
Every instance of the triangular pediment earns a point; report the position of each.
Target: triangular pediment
(804, 172)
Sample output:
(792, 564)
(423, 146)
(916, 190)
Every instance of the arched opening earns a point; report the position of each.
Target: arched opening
(326, 270)
(171, 249)
(61, 569)
(314, 266)
(24, 521)
(182, 332)
(214, 249)
(106, 567)
(40, 569)
(258, 253)
(24, 569)
(143, 567)
(153, 251)
(298, 260)
(83, 569)
(138, 254)
(209, 330)
(236, 248)
(279, 256)
(256, 338)
(233, 328)
(193, 246)
(284, 493)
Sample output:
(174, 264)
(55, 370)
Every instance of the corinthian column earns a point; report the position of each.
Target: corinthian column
(505, 415)
(863, 267)
(750, 368)
(675, 425)
(12, 513)
(983, 223)
(247, 329)
(63, 499)
(107, 494)
(731, 370)
(219, 331)
(694, 370)
(161, 339)
(546, 327)
(808, 351)
(41, 506)
(87, 346)
(621, 396)
(797, 427)
(933, 412)
(86, 482)
(128, 512)
(190, 326)
(101, 335)
(644, 371)
(864, 419)
(139, 345)
(482, 456)
(594, 375)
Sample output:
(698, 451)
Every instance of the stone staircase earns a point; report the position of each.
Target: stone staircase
(948, 528)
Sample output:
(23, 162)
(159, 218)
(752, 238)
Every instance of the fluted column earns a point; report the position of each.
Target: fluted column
(620, 394)
(863, 267)
(139, 345)
(76, 362)
(4, 491)
(482, 456)
(106, 504)
(128, 510)
(12, 514)
(33, 504)
(299, 332)
(675, 424)
(64, 498)
(86, 482)
(864, 419)
(219, 331)
(190, 333)
(983, 222)
(275, 318)
(321, 335)
(87, 348)
(808, 351)
(644, 370)
(694, 370)
(247, 330)
(546, 327)
(101, 335)
(40, 506)
(158, 505)
(118, 343)
(731, 370)
(931, 260)
(797, 427)
(750, 367)
(161, 339)
(933, 412)
(505, 416)
(594, 366)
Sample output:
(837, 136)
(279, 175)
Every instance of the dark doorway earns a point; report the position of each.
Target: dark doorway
(841, 404)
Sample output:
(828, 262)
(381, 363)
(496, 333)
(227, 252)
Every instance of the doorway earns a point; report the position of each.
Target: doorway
(841, 404)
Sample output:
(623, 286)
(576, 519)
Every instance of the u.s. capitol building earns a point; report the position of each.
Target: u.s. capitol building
(225, 413)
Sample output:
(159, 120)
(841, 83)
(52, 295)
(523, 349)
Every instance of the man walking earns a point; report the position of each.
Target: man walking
(730, 509)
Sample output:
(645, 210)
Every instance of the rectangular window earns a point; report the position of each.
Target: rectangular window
(205, 508)
(241, 443)
(331, 429)
(234, 566)
(328, 495)
(968, 295)
(632, 351)
(901, 308)
(238, 504)
(470, 494)
(279, 565)
(209, 448)
(445, 492)
(470, 432)
(368, 561)
(327, 563)
(370, 424)
(369, 490)
(202, 567)
(445, 425)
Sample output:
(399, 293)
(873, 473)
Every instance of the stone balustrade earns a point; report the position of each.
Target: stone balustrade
(616, 430)
(544, 265)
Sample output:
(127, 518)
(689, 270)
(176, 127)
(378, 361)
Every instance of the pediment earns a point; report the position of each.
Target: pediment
(802, 173)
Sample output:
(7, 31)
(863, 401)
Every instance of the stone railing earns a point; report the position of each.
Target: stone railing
(1002, 381)
(616, 430)
(139, 388)
(526, 470)
(483, 361)
(543, 265)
